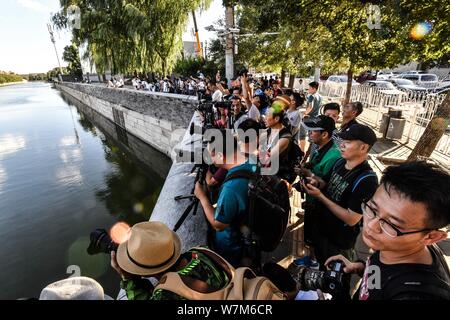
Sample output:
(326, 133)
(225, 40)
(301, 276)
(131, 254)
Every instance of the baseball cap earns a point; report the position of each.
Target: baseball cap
(360, 132)
(320, 123)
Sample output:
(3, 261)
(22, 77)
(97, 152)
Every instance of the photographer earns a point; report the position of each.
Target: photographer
(255, 104)
(322, 161)
(349, 114)
(338, 207)
(278, 139)
(232, 205)
(153, 250)
(215, 91)
(402, 223)
(238, 115)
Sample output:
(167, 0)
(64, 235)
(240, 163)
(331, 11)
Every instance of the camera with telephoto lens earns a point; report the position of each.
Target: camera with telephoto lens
(331, 281)
(101, 242)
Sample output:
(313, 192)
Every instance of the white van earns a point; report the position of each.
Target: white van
(427, 80)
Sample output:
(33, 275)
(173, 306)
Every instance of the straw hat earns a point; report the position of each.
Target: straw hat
(151, 249)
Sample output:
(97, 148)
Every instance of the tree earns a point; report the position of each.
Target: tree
(72, 57)
(123, 36)
(433, 132)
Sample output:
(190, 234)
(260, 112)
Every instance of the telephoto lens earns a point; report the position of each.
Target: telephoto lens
(101, 242)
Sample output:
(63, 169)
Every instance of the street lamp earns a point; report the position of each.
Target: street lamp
(52, 38)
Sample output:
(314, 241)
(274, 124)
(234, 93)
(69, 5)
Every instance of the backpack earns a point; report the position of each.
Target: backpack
(243, 285)
(269, 208)
(293, 158)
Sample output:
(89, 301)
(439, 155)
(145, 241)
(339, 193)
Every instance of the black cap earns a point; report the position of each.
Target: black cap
(360, 132)
(320, 123)
(234, 97)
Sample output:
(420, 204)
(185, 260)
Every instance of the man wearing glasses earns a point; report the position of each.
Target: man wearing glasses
(403, 221)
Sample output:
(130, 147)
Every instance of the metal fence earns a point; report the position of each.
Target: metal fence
(418, 109)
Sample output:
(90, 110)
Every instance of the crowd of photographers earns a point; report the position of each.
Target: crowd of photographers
(321, 150)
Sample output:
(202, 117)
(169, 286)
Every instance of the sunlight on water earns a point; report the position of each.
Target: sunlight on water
(10, 143)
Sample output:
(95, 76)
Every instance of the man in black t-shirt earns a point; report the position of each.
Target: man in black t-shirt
(340, 194)
(403, 221)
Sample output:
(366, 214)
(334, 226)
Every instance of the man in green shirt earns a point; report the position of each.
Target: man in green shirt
(327, 152)
(321, 162)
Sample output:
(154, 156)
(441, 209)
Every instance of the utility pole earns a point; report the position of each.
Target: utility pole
(229, 44)
(52, 38)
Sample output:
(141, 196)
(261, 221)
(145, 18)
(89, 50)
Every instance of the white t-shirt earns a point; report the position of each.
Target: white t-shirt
(217, 95)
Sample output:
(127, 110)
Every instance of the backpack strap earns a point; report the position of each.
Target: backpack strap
(362, 176)
(219, 260)
(239, 278)
(240, 174)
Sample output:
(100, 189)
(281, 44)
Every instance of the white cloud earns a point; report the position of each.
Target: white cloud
(33, 5)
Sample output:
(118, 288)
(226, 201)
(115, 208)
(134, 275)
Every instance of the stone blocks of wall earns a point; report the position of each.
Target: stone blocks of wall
(153, 117)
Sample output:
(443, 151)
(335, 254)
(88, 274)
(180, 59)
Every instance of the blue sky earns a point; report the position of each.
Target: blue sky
(25, 45)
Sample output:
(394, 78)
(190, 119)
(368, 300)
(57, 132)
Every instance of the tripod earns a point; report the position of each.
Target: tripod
(199, 176)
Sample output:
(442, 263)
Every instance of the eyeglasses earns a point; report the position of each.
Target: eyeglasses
(386, 226)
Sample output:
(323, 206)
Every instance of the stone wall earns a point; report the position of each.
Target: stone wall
(150, 116)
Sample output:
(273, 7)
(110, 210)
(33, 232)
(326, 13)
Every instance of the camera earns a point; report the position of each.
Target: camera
(299, 186)
(243, 72)
(101, 242)
(331, 281)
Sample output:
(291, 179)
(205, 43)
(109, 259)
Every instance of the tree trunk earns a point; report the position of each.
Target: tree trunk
(163, 65)
(348, 90)
(291, 80)
(433, 132)
(283, 75)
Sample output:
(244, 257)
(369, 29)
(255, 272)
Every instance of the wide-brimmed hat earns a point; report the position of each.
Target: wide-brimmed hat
(151, 249)
(74, 288)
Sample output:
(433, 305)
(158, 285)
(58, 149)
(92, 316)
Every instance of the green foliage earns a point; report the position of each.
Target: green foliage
(191, 67)
(72, 56)
(124, 36)
(6, 77)
(336, 36)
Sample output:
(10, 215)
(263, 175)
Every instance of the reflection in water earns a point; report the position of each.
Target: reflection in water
(69, 175)
(55, 190)
(67, 141)
(10, 143)
(126, 194)
(70, 156)
(3, 178)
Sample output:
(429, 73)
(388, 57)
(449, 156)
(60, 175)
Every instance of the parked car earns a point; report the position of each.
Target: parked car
(339, 80)
(412, 72)
(441, 88)
(384, 86)
(385, 75)
(444, 82)
(427, 80)
(390, 94)
(406, 85)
